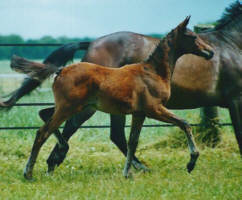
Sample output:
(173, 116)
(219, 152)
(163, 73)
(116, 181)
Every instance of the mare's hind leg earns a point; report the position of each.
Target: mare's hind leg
(137, 122)
(162, 114)
(235, 110)
(42, 134)
(117, 136)
(58, 154)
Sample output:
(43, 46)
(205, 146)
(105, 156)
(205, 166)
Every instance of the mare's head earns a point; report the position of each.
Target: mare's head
(184, 41)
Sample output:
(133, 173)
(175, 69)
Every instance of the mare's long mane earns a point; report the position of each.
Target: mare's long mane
(231, 18)
(232, 15)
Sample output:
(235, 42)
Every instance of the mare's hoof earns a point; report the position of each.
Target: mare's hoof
(140, 166)
(128, 175)
(51, 169)
(126, 172)
(49, 173)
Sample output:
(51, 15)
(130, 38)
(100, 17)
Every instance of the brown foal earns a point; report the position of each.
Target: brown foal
(139, 89)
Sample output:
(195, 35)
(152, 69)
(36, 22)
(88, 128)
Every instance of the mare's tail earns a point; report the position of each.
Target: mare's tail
(57, 58)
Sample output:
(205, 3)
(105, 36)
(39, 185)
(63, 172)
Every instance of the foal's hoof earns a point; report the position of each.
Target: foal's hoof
(192, 162)
(28, 175)
(190, 167)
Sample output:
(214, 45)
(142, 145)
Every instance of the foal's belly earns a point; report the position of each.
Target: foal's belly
(114, 106)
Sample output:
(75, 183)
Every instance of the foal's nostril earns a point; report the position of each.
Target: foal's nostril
(207, 54)
(211, 54)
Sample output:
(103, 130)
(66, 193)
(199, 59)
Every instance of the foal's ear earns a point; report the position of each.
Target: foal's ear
(182, 26)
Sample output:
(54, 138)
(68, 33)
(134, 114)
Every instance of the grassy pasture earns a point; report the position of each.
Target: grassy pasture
(93, 167)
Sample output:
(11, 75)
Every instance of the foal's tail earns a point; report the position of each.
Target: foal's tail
(37, 71)
(57, 58)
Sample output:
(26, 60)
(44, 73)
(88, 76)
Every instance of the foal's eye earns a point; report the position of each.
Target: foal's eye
(191, 36)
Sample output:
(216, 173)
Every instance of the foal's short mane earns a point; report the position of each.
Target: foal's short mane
(156, 54)
(156, 57)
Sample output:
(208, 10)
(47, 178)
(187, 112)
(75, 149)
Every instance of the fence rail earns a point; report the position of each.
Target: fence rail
(29, 44)
(93, 126)
(34, 44)
(51, 104)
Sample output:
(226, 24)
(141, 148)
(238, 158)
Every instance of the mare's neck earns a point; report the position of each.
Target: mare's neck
(230, 34)
(233, 37)
(221, 38)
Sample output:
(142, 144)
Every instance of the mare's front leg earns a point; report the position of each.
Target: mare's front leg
(117, 136)
(162, 114)
(235, 110)
(137, 122)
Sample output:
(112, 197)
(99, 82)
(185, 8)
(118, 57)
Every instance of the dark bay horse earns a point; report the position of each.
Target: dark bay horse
(195, 83)
(140, 89)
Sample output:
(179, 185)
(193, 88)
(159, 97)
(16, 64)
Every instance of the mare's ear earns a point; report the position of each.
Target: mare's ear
(182, 26)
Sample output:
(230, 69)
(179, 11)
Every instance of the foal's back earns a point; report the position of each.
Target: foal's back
(118, 91)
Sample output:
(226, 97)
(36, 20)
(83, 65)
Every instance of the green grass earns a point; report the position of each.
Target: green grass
(93, 170)
(93, 167)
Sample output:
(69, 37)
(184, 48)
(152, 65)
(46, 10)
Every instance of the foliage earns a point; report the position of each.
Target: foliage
(37, 52)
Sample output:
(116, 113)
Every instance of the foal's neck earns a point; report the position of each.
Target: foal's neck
(163, 59)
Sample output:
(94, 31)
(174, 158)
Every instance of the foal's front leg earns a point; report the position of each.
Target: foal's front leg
(137, 122)
(162, 114)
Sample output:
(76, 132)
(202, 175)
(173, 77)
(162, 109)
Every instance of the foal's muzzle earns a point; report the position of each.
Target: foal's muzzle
(208, 54)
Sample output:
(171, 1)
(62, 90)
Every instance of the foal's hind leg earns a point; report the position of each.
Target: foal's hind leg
(42, 134)
(58, 155)
(162, 114)
(60, 150)
(62, 145)
(137, 122)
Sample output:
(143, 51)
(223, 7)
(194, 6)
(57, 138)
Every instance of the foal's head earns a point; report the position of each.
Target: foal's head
(184, 41)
